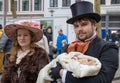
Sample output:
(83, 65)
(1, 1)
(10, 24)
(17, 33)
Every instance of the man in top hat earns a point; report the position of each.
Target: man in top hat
(87, 42)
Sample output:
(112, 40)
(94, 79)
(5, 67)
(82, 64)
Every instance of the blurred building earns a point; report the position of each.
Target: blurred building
(55, 13)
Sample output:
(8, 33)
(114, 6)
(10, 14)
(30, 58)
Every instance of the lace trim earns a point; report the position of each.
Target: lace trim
(21, 55)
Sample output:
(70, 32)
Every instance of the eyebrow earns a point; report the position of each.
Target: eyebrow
(80, 22)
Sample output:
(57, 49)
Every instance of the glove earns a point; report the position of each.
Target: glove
(55, 71)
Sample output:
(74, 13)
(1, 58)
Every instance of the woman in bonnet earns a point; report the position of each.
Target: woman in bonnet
(26, 59)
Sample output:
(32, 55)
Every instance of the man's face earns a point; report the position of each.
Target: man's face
(59, 32)
(84, 29)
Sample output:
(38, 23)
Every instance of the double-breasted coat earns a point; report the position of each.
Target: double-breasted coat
(107, 53)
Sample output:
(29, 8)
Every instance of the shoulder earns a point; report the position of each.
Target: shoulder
(40, 50)
(110, 45)
(100, 43)
(44, 37)
(41, 53)
(4, 38)
(64, 35)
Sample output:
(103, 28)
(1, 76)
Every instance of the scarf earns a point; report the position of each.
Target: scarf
(80, 46)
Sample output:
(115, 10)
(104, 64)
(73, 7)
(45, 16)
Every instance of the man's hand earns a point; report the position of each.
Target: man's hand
(55, 72)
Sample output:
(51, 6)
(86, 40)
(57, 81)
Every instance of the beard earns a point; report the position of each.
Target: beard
(82, 36)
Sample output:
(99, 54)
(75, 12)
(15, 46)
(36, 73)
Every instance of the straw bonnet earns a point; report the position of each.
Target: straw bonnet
(83, 9)
(33, 26)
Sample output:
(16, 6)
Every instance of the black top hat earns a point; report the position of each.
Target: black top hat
(83, 9)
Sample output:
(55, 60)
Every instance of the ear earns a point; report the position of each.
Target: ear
(95, 26)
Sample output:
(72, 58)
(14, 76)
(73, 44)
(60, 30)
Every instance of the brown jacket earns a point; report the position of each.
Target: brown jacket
(28, 68)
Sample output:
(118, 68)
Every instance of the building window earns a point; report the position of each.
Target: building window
(102, 2)
(1, 5)
(53, 3)
(114, 21)
(103, 21)
(25, 5)
(66, 3)
(16, 4)
(37, 5)
(115, 1)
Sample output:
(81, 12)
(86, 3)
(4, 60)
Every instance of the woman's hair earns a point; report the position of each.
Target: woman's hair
(17, 47)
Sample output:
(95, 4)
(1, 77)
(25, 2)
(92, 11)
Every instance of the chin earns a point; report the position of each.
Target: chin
(22, 45)
(82, 38)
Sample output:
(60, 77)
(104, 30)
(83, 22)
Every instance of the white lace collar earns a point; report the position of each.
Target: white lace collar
(21, 54)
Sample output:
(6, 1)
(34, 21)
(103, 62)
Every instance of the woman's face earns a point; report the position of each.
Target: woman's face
(24, 38)
(84, 29)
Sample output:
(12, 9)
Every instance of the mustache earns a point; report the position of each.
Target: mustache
(81, 32)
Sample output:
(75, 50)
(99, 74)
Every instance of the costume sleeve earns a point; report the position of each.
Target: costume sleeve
(46, 44)
(3, 42)
(109, 60)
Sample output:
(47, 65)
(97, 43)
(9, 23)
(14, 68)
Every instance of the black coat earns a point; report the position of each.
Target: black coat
(107, 53)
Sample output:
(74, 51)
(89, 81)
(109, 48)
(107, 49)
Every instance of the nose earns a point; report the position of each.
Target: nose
(21, 37)
(80, 28)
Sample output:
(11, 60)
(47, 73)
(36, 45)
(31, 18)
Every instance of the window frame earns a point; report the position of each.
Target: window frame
(16, 4)
(66, 3)
(53, 3)
(1, 7)
(115, 1)
(102, 2)
(28, 5)
(40, 5)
